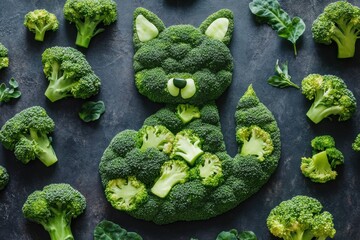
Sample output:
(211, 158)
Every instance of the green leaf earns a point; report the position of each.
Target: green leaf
(247, 235)
(270, 12)
(107, 230)
(282, 79)
(228, 235)
(91, 111)
(6, 94)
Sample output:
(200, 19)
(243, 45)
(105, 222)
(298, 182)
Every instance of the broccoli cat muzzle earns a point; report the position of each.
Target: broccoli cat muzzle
(186, 87)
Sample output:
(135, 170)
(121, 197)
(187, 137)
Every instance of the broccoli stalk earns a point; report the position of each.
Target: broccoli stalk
(210, 170)
(187, 145)
(318, 168)
(40, 21)
(43, 150)
(172, 172)
(54, 207)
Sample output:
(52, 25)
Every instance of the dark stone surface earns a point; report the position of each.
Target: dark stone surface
(79, 145)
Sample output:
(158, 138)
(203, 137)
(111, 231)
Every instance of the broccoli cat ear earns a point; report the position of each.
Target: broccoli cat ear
(147, 26)
(219, 25)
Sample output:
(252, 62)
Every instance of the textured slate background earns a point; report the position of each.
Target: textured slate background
(79, 145)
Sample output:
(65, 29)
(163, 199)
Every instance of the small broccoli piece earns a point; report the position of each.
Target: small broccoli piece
(69, 74)
(157, 137)
(339, 23)
(107, 230)
(172, 172)
(4, 177)
(255, 141)
(210, 169)
(27, 135)
(187, 112)
(87, 15)
(187, 145)
(330, 97)
(300, 218)
(321, 143)
(54, 207)
(356, 144)
(4, 59)
(318, 168)
(39, 21)
(125, 194)
(335, 157)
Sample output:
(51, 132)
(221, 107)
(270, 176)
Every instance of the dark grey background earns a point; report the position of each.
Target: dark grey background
(80, 145)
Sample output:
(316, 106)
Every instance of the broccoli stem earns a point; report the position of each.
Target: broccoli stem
(59, 227)
(345, 36)
(44, 152)
(86, 30)
(317, 113)
(39, 36)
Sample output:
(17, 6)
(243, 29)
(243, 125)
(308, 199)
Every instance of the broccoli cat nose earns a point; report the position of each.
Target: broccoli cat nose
(179, 82)
(186, 87)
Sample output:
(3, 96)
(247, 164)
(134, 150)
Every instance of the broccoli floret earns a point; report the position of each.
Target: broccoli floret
(210, 170)
(255, 141)
(125, 194)
(321, 143)
(4, 59)
(172, 172)
(335, 157)
(187, 145)
(27, 135)
(109, 230)
(4, 177)
(156, 137)
(356, 144)
(69, 74)
(187, 112)
(300, 218)
(318, 168)
(39, 21)
(54, 207)
(339, 23)
(330, 96)
(87, 15)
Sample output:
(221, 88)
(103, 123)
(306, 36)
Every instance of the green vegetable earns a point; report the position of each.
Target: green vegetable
(69, 74)
(39, 21)
(156, 137)
(234, 235)
(339, 23)
(282, 79)
(91, 111)
(54, 207)
(300, 218)
(107, 230)
(4, 59)
(11, 92)
(4, 177)
(270, 12)
(320, 167)
(187, 112)
(27, 135)
(87, 15)
(356, 144)
(330, 96)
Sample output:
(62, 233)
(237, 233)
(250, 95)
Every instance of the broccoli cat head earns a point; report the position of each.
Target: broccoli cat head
(181, 63)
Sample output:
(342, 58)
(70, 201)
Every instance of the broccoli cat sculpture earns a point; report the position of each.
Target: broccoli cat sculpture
(175, 168)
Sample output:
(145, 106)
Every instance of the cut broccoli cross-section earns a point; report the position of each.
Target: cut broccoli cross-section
(157, 137)
(187, 145)
(210, 169)
(318, 168)
(187, 112)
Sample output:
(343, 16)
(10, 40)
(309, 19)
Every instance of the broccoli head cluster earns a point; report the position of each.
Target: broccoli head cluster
(4, 177)
(4, 59)
(39, 21)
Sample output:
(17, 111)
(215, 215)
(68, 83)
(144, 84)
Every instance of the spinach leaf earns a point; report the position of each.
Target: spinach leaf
(234, 235)
(107, 230)
(247, 235)
(282, 79)
(270, 12)
(91, 111)
(8, 93)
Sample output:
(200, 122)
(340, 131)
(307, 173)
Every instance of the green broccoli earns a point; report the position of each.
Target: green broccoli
(209, 169)
(172, 172)
(330, 96)
(27, 135)
(300, 218)
(187, 145)
(4, 59)
(88, 15)
(39, 21)
(54, 207)
(69, 74)
(339, 23)
(356, 144)
(187, 112)
(4, 177)
(125, 194)
(156, 136)
(320, 167)
(107, 230)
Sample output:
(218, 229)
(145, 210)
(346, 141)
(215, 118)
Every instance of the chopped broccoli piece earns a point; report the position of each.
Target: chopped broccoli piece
(157, 137)
(300, 218)
(69, 74)
(187, 112)
(27, 135)
(255, 141)
(335, 157)
(339, 23)
(330, 96)
(4, 59)
(356, 144)
(318, 168)
(172, 172)
(87, 15)
(321, 143)
(54, 207)
(4, 177)
(125, 194)
(39, 21)
(210, 170)
(187, 145)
